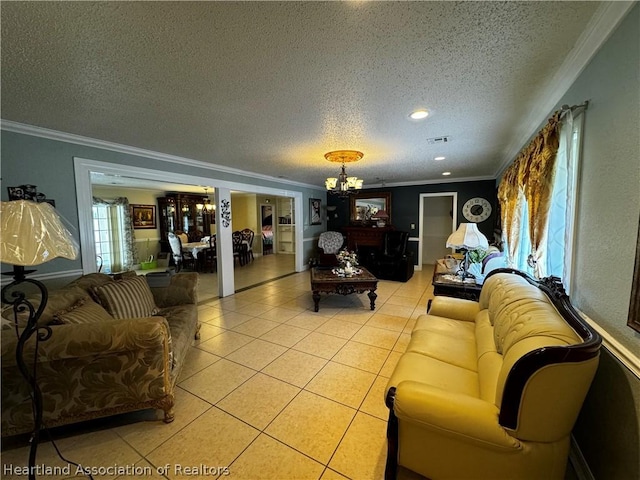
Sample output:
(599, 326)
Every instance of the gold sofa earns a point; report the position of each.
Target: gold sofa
(491, 389)
(97, 366)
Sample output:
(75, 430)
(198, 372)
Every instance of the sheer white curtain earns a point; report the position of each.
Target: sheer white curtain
(113, 231)
(557, 257)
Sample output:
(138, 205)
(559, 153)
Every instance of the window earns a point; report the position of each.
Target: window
(109, 230)
(557, 255)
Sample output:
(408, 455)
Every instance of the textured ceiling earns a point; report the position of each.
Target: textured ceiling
(270, 87)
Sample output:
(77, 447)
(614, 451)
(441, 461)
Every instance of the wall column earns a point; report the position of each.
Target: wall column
(226, 281)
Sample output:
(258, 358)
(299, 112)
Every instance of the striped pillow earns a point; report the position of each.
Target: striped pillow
(127, 298)
(85, 311)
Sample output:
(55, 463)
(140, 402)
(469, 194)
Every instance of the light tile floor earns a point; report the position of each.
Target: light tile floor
(262, 269)
(272, 390)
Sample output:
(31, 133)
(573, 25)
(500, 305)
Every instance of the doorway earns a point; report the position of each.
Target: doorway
(266, 220)
(438, 219)
(85, 169)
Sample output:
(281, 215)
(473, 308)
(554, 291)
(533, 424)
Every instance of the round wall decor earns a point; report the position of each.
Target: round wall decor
(476, 210)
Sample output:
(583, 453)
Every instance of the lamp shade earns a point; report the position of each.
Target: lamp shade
(467, 236)
(381, 214)
(32, 233)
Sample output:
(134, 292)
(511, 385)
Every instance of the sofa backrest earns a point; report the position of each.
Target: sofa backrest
(549, 355)
(60, 299)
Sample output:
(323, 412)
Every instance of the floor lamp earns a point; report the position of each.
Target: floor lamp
(467, 237)
(32, 234)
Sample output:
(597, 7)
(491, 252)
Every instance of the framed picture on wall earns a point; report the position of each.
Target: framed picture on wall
(314, 211)
(144, 216)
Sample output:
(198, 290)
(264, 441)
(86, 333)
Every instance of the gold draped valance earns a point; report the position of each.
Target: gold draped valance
(530, 178)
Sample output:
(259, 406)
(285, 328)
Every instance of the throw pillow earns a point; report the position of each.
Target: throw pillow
(85, 311)
(127, 298)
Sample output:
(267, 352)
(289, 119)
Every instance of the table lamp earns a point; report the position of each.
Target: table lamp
(381, 216)
(467, 237)
(32, 233)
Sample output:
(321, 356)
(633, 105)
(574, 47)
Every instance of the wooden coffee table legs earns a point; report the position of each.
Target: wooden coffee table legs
(316, 300)
(342, 291)
(372, 297)
(323, 280)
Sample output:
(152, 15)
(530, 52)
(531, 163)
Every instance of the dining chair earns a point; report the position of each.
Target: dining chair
(209, 256)
(195, 235)
(247, 235)
(181, 258)
(184, 238)
(239, 247)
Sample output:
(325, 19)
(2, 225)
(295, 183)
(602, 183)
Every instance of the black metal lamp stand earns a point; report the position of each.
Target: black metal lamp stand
(17, 298)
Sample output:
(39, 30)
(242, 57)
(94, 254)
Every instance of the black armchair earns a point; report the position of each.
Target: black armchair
(394, 262)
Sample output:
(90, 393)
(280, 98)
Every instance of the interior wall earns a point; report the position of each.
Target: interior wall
(436, 223)
(405, 204)
(608, 429)
(147, 239)
(244, 212)
(48, 163)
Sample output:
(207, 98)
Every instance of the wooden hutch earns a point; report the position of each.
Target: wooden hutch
(184, 212)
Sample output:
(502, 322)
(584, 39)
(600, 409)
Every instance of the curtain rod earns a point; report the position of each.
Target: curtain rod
(566, 108)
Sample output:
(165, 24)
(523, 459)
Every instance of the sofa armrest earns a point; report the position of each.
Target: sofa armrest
(88, 340)
(470, 419)
(456, 308)
(182, 290)
(90, 370)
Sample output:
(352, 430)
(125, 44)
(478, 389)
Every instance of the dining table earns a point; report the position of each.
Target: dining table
(195, 247)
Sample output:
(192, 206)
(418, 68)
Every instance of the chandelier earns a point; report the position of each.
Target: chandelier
(343, 185)
(207, 206)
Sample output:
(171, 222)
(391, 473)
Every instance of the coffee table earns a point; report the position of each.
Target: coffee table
(323, 280)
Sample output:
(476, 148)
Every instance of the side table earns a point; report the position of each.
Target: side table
(450, 286)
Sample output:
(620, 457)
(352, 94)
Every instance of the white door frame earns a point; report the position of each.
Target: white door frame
(84, 199)
(273, 230)
(421, 226)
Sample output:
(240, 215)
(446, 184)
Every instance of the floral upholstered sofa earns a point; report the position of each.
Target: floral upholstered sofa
(115, 346)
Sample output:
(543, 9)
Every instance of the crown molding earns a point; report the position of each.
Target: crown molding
(414, 183)
(25, 129)
(604, 21)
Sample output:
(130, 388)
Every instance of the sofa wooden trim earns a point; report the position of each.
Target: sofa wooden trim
(530, 363)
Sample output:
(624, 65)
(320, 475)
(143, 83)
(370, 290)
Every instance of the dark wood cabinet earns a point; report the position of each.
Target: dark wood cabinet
(366, 241)
(365, 236)
(187, 213)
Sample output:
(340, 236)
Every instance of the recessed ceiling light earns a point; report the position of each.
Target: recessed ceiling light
(439, 158)
(446, 173)
(419, 114)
